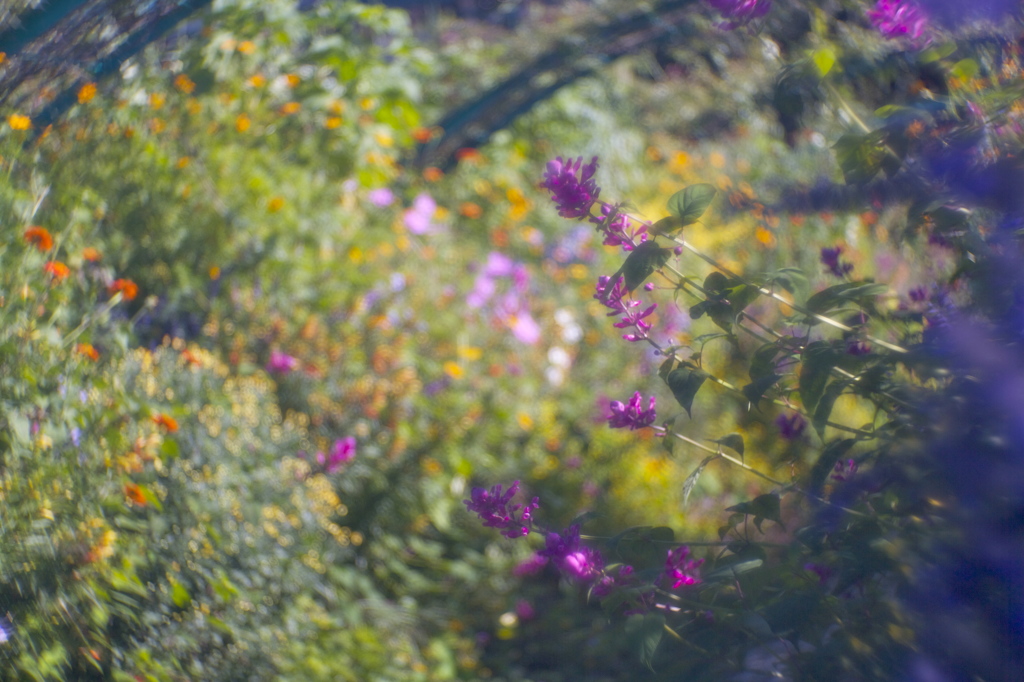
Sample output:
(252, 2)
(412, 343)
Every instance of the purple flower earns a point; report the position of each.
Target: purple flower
(823, 572)
(790, 426)
(634, 318)
(739, 12)
(418, 218)
(856, 347)
(532, 566)
(499, 265)
(631, 415)
(611, 298)
(381, 197)
(618, 228)
(830, 259)
(573, 195)
(281, 363)
(679, 569)
(844, 471)
(6, 630)
(494, 509)
(342, 452)
(899, 19)
(579, 563)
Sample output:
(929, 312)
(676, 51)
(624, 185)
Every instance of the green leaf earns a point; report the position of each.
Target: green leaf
(762, 507)
(733, 441)
(691, 480)
(667, 225)
(832, 453)
(817, 361)
(689, 204)
(643, 546)
(965, 69)
(684, 383)
(755, 390)
(642, 262)
(645, 631)
(179, 595)
(825, 405)
(860, 157)
(792, 280)
(937, 52)
(666, 368)
(836, 295)
(824, 59)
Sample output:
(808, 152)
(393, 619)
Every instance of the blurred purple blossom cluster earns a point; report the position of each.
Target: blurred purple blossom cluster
(899, 19)
(496, 510)
(511, 307)
(739, 12)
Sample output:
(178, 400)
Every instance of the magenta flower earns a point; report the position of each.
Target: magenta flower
(578, 562)
(679, 569)
(535, 564)
(574, 195)
(631, 415)
(612, 298)
(899, 19)
(381, 197)
(496, 511)
(618, 228)
(739, 12)
(418, 218)
(281, 363)
(342, 452)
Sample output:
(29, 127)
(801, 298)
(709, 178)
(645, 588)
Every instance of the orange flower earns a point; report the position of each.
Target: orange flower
(290, 108)
(422, 135)
(432, 174)
(242, 123)
(92, 255)
(257, 80)
(166, 421)
(184, 83)
(128, 288)
(246, 47)
(190, 358)
(39, 236)
(88, 350)
(471, 210)
(468, 154)
(293, 80)
(58, 271)
(332, 122)
(86, 93)
(19, 122)
(134, 493)
(275, 204)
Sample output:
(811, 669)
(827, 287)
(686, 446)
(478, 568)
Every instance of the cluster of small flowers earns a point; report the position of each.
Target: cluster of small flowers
(631, 415)
(739, 12)
(618, 228)
(611, 294)
(844, 471)
(512, 308)
(899, 19)
(579, 563)
(496, 511)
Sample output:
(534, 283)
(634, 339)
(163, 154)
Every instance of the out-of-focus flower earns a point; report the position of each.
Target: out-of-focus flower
(470, 210)
(382, 196)
(631, 415)
(418, 218)
(57, 270)
(281, 363)
(843, 471)
(830, 259)
(185, 84)
(572, 186)
(86, 93)
(39, 237)
(169, 423)
(496, 511)
(535, 564)
(134, 493)
(679, 569)
(342, 452)
(19, 122)
(791, 426)
(91, 254)
(899, 19)
(739, 12)
(129, 289)
(88, 350)
(6, 629)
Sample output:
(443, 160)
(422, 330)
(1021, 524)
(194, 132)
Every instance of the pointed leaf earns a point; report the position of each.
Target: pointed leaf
(645, 631)
(733, 441)
(689, 204)
(684, 384)
(762, 507)
(642, 262)
(755, 390)
(818, 359)
(691, 480)
(832, 453)
(825, 405)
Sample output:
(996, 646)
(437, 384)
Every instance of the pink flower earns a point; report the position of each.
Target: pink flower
(631, 415)
(381, 197)
(281, 363)
(680, 570)
(418, 218)
(899, 19)
(342, 452)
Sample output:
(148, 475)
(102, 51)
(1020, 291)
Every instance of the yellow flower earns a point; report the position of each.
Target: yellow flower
(453, 369)
(156, 100)
(256, 81)
(19, 122)
(290, 108)
(275, 204)
(332, 122)
(242, 123)
(86, 93)
(246, 47)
